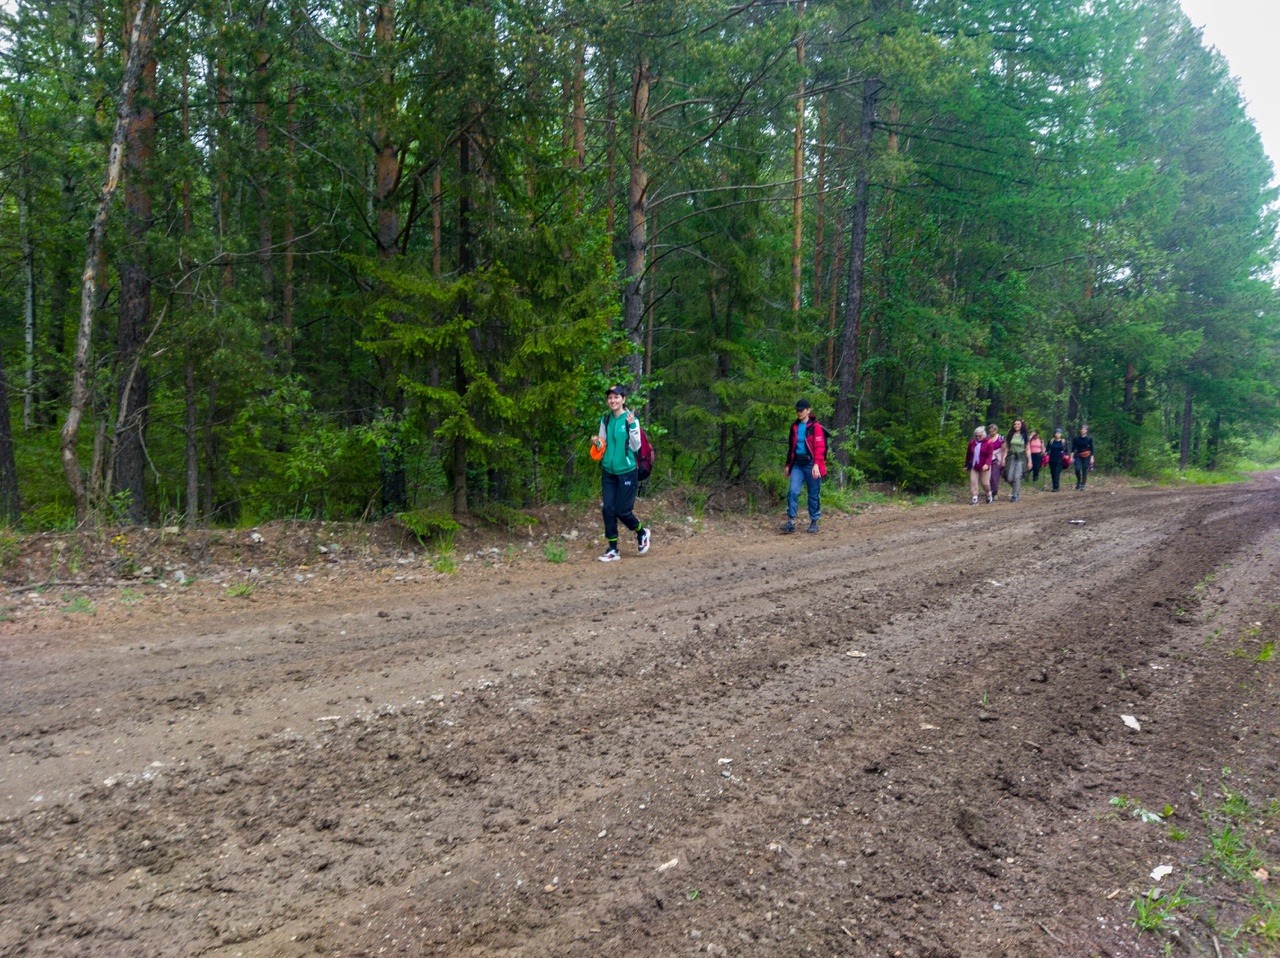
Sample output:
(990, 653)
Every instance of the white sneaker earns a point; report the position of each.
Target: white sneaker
(642, 541)
(610, 555)
(974, 501)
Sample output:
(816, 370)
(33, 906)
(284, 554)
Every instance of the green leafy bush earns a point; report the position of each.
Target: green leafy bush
(428, 524)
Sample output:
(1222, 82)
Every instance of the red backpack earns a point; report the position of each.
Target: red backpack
(644, 457)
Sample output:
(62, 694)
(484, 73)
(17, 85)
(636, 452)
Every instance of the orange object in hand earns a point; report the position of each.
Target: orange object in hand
(597, 448)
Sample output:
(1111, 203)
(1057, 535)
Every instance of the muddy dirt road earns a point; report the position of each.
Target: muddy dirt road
(900, 737)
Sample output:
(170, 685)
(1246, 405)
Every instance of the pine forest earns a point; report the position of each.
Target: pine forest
(347, 259)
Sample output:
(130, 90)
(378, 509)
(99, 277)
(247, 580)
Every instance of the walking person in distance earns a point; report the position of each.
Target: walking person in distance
(997, 445)
(1057, 453)
(1017, 458)
(806, 465)
(1082, 454)
(977, 462)
(1035, 450)
(619, 441)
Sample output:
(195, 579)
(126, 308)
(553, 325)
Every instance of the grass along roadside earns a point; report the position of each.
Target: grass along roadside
(1232, 890)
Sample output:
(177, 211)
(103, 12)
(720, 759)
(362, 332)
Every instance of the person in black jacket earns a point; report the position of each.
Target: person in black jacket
(1057, 451)
(1082, 454)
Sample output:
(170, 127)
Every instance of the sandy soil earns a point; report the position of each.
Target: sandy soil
(902, 736)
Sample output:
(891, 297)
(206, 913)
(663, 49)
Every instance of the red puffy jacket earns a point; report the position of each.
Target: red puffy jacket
(815, 440)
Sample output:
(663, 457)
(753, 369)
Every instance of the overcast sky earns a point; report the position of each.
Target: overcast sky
(1244, 31)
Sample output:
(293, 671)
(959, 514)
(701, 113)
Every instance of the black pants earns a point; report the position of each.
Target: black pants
(1055, 472)
(618, 494)
(1035, 468)
(1082, 472)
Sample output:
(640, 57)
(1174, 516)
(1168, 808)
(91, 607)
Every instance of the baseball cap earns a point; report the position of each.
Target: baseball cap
(620, 390)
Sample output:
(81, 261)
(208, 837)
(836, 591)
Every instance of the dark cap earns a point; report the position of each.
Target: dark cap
(802, 404)
(620, 390)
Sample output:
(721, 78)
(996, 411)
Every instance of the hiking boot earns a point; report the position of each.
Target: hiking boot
(1014, 497)
(813, 525)
(611, 555)
(642, 541)
(788, 526)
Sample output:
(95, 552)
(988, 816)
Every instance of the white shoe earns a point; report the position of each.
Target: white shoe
(611, 555)
(642, 541)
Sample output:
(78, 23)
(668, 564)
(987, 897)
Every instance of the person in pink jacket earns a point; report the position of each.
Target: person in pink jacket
(1035, 448)
(977, 462)
(806, 465)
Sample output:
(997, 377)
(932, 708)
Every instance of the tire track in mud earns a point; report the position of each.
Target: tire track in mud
(576, 747)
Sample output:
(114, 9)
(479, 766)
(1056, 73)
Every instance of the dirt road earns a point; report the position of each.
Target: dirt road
(900, 737)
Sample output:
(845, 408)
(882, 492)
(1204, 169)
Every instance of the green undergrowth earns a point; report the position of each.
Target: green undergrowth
(1232, 889)
(1200, 477)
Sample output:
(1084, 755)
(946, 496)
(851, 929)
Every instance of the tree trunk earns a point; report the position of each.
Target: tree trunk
(221, 195)
(857, 264)
(819, 205)
(797, 197)
(649, 303)
(210, 452)
(579, 156)
(637, 200)
(64, 275)
(386, 161)
(74, 69)
(128, 459)
(386, 164)
(459, 446)
(139, 47)
(21, 59)
(611, 157)
(262, 144)
(287, 293)
(192, 446)
(1126, 452)
(465, 265)
(1184, 450)
(28, 304)
(437, 222)
(192, 510)
(833, 301)
(10, 508)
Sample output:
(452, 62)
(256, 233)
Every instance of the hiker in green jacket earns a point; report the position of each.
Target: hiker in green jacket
(619, 437)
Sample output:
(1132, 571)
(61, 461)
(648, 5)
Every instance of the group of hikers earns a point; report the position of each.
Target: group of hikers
(989, 457)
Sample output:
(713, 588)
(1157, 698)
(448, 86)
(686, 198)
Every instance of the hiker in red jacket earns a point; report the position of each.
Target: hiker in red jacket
(806, 465)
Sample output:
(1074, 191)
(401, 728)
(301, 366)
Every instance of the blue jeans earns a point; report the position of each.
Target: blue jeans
(803, 476)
